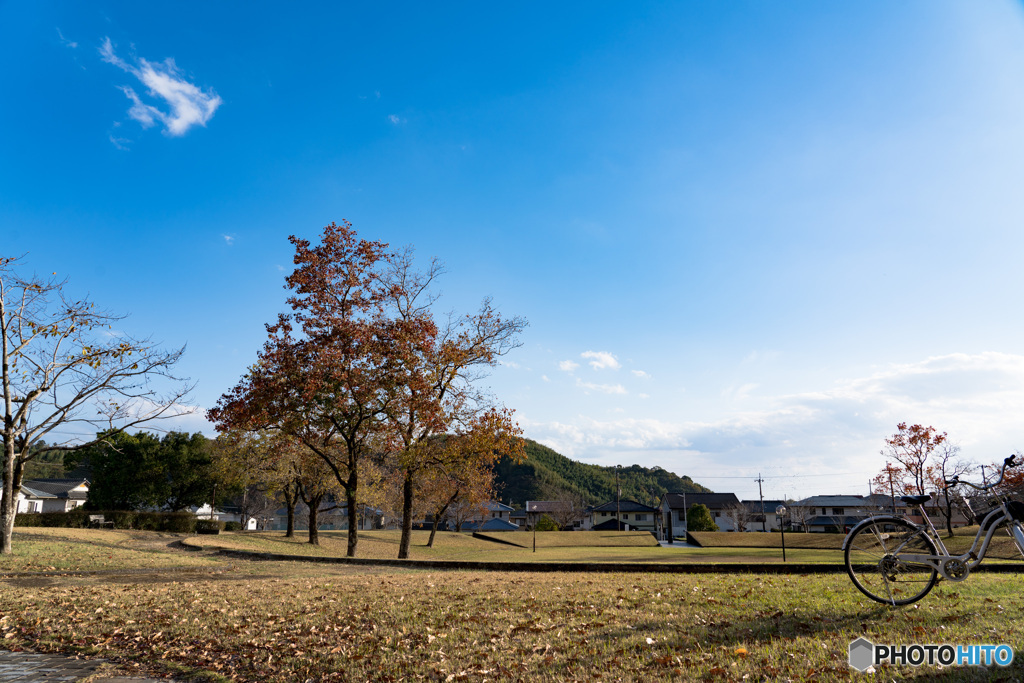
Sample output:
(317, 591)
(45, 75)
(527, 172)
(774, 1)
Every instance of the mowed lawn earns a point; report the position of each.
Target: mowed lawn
(574, 546)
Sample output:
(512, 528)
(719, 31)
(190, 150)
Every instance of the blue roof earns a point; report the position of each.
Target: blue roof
(491, 525)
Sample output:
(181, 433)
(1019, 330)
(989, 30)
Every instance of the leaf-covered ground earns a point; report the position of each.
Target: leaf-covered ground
(281, 621)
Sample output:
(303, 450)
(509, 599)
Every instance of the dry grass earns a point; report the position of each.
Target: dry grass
(49, 549)
(288, 622)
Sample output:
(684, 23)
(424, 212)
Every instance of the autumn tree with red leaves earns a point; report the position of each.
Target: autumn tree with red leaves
(439, 367)
(359, 370)
(323, 376)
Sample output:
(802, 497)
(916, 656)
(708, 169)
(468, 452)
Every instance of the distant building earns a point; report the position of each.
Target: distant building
(637, 515)
(51, 495)
(674, 506)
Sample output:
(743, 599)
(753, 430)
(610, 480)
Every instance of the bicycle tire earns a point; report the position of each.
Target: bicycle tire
(872, 553)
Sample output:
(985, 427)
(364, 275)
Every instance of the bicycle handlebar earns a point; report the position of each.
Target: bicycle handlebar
(1008, 462)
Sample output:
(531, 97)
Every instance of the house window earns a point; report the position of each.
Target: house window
(625, 516)
(641, 518)
(837, 511)
(682, 515)
(33, 507)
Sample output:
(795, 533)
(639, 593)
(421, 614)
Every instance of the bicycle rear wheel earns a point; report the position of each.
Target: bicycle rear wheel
(876, 560)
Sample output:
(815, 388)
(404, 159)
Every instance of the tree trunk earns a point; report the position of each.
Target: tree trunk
(433, 532)
(9, 504)
(407, 489)
(314, 515)
(291, 499)
(352, 508)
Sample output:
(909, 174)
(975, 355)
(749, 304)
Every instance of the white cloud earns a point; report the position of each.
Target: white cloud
(601, 360)
(395, 120)
(821, 441)
(187, 105)
(602, 388)
(545, 378)
(229, 239)
(641, 374)
(567, 365)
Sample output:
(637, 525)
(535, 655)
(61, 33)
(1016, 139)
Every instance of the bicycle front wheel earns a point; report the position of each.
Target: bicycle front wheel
(877, 560)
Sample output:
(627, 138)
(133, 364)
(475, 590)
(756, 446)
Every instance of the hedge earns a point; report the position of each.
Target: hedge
(175, 522)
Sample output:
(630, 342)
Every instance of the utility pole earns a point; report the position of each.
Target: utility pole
(759, 480)
(618, 492)
(892, 492)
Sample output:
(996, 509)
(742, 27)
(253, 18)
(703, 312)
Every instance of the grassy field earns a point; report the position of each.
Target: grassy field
(1002, 546)
(290, 621)
(450, 546)
(43, 549)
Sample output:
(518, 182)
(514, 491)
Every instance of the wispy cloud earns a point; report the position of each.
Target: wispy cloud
(601, 360)
(229, 239)
(186, 104)
(567, 365)
(65, 42)
(641, 374)
(601, 388)
(395, 120)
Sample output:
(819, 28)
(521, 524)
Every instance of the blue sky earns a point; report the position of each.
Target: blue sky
(749, 237)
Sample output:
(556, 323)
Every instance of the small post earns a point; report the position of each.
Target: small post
(781, 511)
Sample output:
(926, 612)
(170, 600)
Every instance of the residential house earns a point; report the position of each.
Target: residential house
(52, 495)
(637, 515)
(518, 517)
(761, 515)
(674, 506)
(831, 513)
(229, 514)
(458, 517)
(561, 512)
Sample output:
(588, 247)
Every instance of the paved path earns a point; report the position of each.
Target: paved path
(31, 667)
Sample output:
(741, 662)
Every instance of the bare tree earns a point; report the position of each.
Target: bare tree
(569, 507)
(947, 464)
(65, 371)
(740, 515)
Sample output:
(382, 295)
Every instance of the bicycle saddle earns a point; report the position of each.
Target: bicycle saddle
(915, 500)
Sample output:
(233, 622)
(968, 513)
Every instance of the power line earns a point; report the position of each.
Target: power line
(776, 476)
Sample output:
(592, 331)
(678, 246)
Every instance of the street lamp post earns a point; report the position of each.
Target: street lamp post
(780, 512)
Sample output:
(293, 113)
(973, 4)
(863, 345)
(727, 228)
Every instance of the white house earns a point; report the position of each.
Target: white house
(51, 495)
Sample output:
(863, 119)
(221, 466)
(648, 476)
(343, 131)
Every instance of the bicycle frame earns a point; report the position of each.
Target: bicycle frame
(959, 567)
(969, 560)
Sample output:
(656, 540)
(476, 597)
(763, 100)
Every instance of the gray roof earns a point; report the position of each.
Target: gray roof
(624, 506)
(832, 501)
(59, 488)
(714, 501)
(544, 506)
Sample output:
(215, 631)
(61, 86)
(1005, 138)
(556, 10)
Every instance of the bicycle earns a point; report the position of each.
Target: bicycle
(897, 562)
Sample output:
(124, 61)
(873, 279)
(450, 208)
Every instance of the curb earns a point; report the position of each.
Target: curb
(588, 567)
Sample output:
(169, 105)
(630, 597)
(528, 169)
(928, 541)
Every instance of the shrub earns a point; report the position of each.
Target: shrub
(545, 523)
(208, 526)
(232, 526)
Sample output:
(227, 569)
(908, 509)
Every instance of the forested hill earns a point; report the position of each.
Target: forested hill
(547, 475)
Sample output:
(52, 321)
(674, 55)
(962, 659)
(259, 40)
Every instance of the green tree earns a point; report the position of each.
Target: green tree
(698, 518)
(545, 523)
(135, 471)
